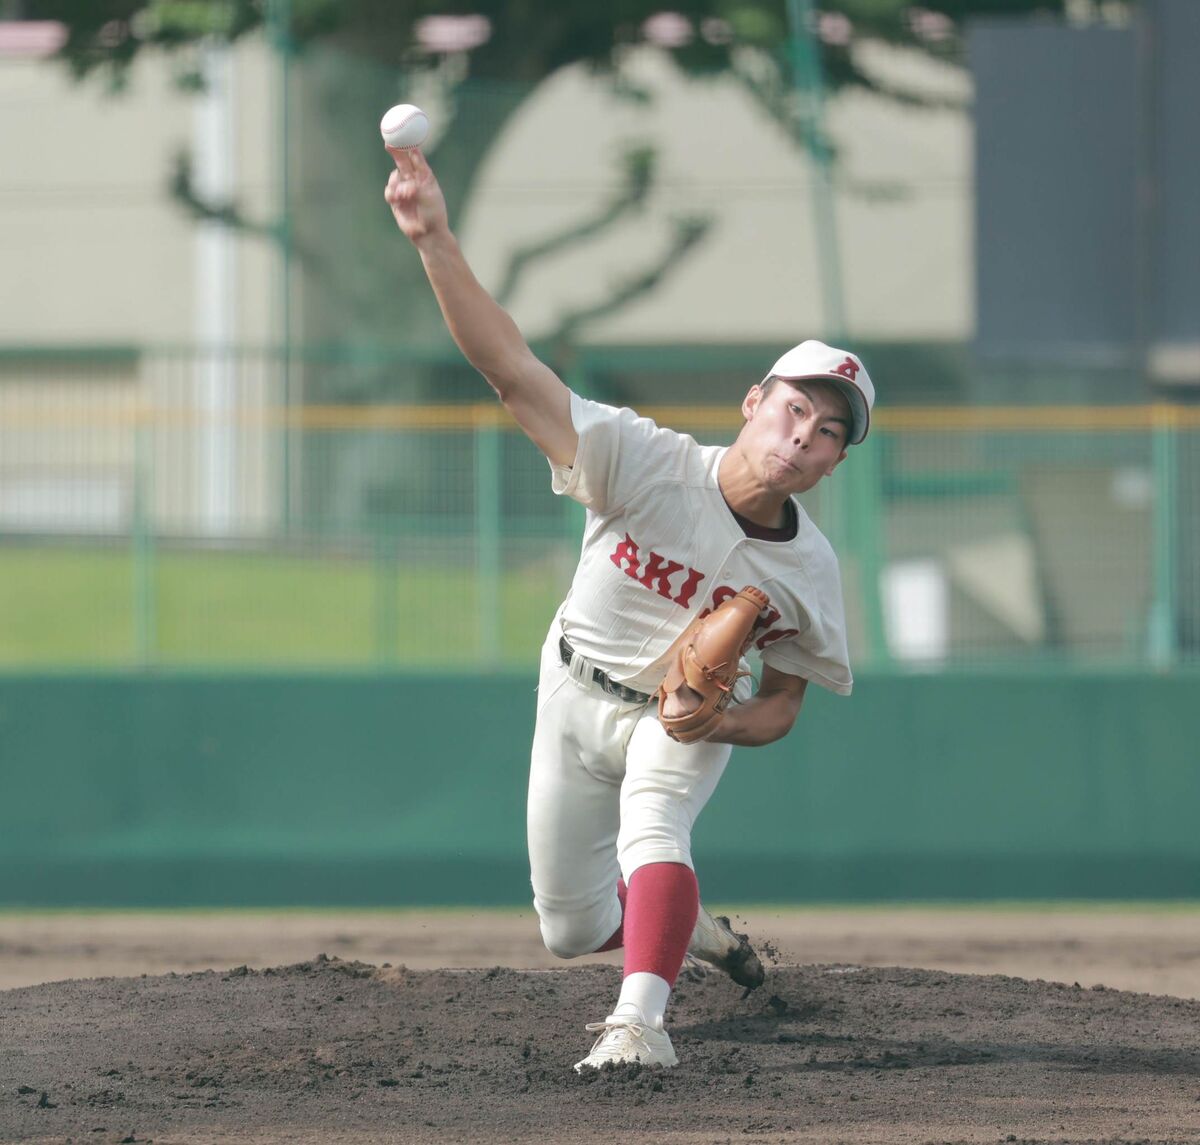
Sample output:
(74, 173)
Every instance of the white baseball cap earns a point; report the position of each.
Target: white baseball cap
(813, 359)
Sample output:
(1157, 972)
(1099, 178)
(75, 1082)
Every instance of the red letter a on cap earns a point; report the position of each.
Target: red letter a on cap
(848, 369)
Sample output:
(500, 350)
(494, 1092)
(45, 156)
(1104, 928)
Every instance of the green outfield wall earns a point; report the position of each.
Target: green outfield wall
(397, 790)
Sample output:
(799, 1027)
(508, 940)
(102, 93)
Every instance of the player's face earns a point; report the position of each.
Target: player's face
(795, 433)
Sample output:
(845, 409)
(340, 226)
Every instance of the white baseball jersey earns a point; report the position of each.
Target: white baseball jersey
(661, 545)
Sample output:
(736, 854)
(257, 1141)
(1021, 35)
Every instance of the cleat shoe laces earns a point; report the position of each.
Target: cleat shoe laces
(627, 1041)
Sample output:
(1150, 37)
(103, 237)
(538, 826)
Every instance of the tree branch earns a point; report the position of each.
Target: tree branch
(688, 231)
(639, 178)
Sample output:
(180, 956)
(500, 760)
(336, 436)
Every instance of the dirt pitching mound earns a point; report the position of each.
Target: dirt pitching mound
(337, 1051)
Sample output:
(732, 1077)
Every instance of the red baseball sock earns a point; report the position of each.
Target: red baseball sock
(660, 915)
(618, 936)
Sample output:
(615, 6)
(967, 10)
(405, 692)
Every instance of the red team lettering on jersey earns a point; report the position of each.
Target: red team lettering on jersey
(657, 575)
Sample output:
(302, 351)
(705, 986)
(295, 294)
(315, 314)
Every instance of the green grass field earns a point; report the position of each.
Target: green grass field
(82, 607)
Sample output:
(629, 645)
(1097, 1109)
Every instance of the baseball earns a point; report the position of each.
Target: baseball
(404, 126)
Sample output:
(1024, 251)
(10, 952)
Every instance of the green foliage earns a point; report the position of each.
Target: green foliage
(528, 38)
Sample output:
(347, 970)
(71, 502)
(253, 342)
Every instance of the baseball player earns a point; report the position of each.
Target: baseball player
(673, 531)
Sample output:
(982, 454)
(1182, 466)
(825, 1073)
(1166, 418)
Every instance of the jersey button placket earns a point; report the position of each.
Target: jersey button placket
(727, 567)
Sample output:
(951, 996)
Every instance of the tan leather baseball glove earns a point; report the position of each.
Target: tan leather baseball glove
(706, 659)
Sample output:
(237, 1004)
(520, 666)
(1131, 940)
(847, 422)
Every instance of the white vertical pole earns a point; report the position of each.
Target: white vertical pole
(216, 294)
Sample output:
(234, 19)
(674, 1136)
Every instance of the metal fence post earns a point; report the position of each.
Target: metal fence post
(387, 603)
(279, 23)
(142, 537)
(865, 525)
(809, 93)
(488, 557)
(1162, 633)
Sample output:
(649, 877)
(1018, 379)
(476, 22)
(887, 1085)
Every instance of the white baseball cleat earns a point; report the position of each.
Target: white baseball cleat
(715, 942)
(626, 1041)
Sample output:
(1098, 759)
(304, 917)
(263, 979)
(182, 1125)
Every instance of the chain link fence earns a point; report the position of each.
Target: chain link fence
(175, 509)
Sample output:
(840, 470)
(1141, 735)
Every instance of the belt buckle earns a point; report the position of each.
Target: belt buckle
(607, 684)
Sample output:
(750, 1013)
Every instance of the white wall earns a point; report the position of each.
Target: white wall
(94, 249)
(903, 205)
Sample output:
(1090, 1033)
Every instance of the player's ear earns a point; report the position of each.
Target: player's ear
(752, 401)
(840, 458)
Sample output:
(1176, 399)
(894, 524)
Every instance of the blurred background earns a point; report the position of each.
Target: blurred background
(274, 568)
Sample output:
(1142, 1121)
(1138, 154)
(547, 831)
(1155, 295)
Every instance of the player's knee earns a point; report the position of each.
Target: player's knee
(562, 947)
(565, 938)
(575, 928)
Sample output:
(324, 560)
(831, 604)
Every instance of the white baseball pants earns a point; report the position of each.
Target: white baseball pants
(609, 791)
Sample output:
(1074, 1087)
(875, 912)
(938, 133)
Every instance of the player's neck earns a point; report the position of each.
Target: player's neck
(747, 497)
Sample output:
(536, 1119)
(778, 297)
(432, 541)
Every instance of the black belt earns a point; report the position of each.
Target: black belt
(612, 687)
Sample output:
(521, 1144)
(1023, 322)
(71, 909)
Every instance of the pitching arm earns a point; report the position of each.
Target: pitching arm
(537, 398)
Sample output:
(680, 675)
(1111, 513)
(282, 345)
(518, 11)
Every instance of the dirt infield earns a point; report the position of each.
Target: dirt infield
(150, 1036)
(336, 1051)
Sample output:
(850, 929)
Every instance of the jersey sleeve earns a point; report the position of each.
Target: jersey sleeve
(818, 651)
(619, 455)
